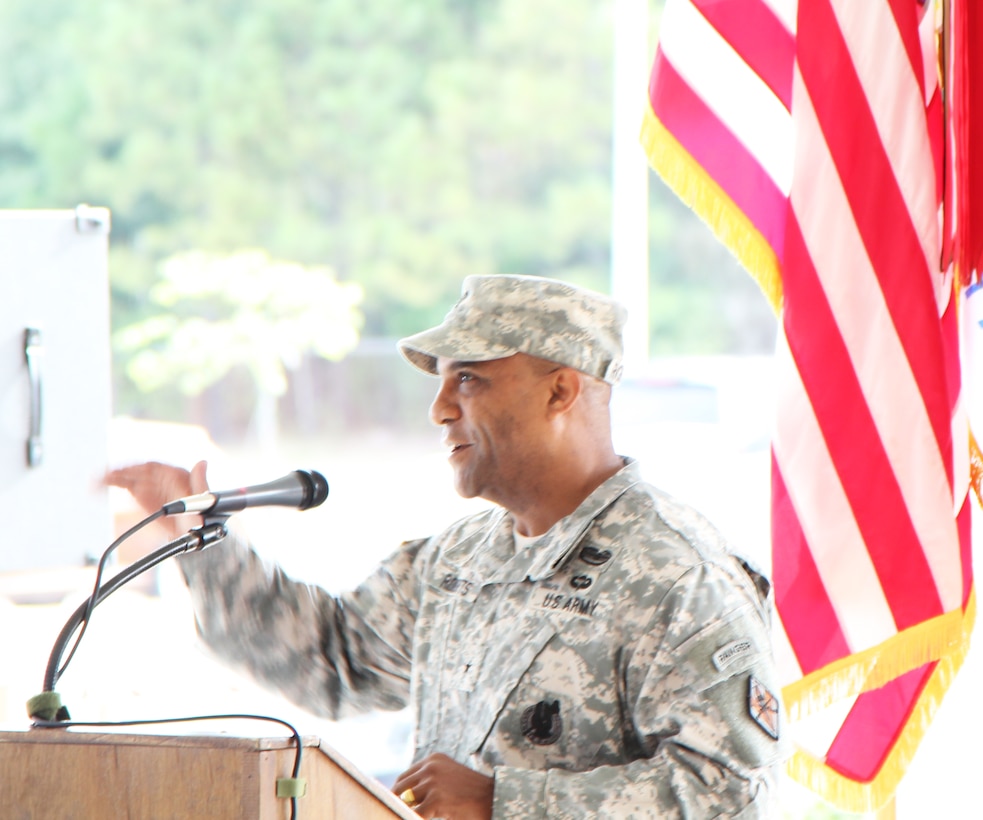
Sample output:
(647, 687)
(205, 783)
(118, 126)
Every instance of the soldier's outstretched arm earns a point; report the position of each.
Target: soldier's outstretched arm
(333, 655)
(154, 484)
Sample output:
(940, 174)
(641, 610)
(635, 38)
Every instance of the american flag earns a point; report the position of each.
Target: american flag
(809, 135)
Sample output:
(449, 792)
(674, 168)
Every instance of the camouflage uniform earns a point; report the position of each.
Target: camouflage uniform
(619, 668)
(499, 316)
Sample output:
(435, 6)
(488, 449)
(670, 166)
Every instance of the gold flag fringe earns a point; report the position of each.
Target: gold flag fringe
(872, 668)
(854, 796)
(975, 468)
(694, 186)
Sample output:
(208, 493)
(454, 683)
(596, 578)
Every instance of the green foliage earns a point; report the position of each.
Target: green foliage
(403, 145)
(241, 310)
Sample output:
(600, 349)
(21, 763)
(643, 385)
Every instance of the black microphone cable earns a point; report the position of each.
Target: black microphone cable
(94, 597)
(291, 786)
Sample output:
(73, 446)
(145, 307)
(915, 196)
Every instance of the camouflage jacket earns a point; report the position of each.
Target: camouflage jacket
(621, 667)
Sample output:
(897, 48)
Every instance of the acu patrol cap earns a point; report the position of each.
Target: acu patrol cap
(500, 315)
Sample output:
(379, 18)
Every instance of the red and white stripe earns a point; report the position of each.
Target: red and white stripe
(821, 121)
(723, 74)
(862, 324)
(868, 361)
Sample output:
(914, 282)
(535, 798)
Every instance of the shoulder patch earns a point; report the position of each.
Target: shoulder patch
(763, 707)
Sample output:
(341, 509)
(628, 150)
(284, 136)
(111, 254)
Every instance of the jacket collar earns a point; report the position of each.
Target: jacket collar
(546, 556)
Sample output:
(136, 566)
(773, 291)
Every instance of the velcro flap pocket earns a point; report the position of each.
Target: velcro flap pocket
(725, 648)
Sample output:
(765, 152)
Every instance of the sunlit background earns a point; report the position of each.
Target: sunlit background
(293, 186)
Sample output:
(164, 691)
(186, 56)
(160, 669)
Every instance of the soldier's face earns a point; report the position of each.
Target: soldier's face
(493, 416)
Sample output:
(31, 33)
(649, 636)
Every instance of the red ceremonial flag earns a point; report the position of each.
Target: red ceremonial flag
(809, 135)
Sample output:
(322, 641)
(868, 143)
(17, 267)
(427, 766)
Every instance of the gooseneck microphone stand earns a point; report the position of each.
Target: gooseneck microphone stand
(300, 490)
(47, 706)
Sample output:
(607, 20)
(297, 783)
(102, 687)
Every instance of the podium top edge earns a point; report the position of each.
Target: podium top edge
(215, 740)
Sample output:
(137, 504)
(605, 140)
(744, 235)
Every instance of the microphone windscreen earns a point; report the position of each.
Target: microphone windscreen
(318, 486)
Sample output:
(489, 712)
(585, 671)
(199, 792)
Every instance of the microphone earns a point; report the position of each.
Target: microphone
(300, 489)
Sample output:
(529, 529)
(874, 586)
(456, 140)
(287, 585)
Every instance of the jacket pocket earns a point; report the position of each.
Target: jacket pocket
(505, 666)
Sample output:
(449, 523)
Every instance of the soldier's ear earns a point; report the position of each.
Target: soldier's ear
(566, 385)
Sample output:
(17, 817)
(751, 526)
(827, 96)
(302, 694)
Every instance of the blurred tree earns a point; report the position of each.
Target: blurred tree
(243, 310)
(405, 145)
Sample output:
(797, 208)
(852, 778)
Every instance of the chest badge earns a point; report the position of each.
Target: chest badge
(762, 705)
(541, 724)
(594, 556)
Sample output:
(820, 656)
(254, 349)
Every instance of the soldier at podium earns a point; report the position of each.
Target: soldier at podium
(588, 647)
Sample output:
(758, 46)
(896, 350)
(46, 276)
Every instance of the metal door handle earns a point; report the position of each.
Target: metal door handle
(34, 353)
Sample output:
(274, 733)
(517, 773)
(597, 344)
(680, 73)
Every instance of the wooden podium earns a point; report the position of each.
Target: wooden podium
(59, 774)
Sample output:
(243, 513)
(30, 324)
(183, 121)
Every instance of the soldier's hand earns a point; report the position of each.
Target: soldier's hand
(447, 789)
(153, 485)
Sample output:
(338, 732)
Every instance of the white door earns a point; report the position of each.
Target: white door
(55, 394)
